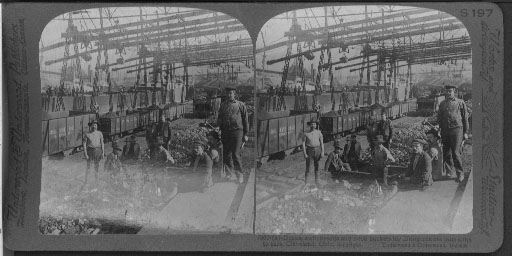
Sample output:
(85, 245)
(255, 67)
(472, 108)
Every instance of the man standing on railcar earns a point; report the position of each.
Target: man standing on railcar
(453, 121)
(233, 123)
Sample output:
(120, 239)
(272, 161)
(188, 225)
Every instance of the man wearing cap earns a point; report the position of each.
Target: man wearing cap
(94, 149)
(313, 148)
(204, 164)
(334, 163)
(381, 157)
(420, 167)
(453, 121)
(160, 155)
(436, 153)
(385, 129)
(352, 152)
(162, 130)
(233, 123)
(131, 151)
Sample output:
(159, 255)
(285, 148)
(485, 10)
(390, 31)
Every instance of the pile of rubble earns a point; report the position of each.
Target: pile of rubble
(345, 209)
(119, 202)
(83, 226)
(182, 144)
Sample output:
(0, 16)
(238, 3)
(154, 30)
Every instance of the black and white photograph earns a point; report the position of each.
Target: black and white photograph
(146, 122)
(255, 127)
(364, 122)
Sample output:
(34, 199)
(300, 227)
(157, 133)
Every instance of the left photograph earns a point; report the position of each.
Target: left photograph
(147, 122)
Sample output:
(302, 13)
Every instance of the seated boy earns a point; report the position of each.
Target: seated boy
(334, 164)
(203, 163)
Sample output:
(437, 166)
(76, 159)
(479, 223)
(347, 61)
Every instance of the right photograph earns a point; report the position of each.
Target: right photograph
(364, 122)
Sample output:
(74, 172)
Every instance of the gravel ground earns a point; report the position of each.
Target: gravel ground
(338, 208)
(118, 205)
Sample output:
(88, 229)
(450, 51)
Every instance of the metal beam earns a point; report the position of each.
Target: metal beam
(378, 38)
(161, 39)
(99, 30)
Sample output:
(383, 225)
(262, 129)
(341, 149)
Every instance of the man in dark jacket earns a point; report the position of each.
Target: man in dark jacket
(385, 129)
(131, 151)
(352, 152)
(453, 121)
(420, 167)
(334, 163)
(163, 130)
(233, 123)
(371, 131)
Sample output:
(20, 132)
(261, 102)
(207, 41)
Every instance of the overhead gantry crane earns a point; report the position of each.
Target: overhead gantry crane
(370, 33)
(164, 44)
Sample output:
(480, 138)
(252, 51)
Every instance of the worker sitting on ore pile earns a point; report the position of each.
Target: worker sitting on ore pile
(435, 151)
(160, 155)
(215, 151)
(131, 151)
(334, 163)
(203, 163)
(381, 157)
(113, 165)
(352, 152)
(420, 167)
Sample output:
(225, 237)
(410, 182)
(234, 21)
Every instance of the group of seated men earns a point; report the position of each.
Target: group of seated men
(207, 155)
(425, 166)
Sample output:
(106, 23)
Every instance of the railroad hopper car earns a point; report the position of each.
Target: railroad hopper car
(429, 106)
(66, 133)
(284, 133)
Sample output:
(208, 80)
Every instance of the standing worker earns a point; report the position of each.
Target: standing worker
(149, 136)
(233, 123)
(385, 129)
(371, 132)
(313, 148)
(453, 121)
(163, 130)
(94, 149)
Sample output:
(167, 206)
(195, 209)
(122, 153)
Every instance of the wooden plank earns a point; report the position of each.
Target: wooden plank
(273, 126)
(53, 136)
(62, 131)
(262, 138)
(79, 124)
(300, 126)
(45, 137)
(282, 134)
(70, 132)
(292, 141)
(123, 124)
